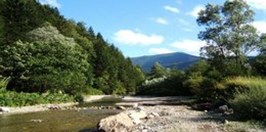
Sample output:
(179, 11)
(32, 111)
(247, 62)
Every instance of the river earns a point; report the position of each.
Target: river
(57, 120)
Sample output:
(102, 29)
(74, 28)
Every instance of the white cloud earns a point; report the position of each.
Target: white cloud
(171, 9)
(161, 21)
(160, 51)
(260, 26)
(53, 3)
(189, 46)
(258, 4)
(130, 37)
(195, 11)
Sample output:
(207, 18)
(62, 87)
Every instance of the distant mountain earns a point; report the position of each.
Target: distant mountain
(177, 60)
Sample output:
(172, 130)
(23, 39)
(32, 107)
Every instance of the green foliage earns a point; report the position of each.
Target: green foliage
(79, 98)
(194, 83)
(93, 91)
(245, 82)
(14, 60)
(165, 86)
(157, 71)
(42, 51)
(8, 98)
(16, 20)
(201, 67)
(259, 64)
(229, 36)
(250, 101)
(119, 89)
(3, 82)
(53, 62)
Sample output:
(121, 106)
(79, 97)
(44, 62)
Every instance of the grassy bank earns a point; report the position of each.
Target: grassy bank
(10, 98)
(249, 98)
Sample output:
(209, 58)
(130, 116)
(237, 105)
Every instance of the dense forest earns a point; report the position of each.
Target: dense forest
(41, 51)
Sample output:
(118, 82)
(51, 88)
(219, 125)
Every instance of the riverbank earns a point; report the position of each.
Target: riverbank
(46, 107)
(155, 114)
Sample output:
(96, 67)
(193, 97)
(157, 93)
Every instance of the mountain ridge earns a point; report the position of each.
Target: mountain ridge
(176, 60)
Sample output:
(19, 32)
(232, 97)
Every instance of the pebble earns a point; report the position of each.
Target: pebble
(36, 120)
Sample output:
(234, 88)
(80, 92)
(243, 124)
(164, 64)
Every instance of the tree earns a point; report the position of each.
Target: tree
(229, 35)
(259, 63)
(157, 70)
(53, 62)
(18, 19)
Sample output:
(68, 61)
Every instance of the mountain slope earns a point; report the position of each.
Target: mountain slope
(176, 60)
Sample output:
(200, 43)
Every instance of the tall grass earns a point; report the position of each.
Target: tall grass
(245, 82)
(249, 98)
(10, 98)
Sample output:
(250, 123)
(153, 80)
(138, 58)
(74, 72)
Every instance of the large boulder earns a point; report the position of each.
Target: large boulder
(122, 122)
(117, 123)
(137, 116)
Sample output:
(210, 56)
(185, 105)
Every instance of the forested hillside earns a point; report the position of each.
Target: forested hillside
(177, 60)
(43, 51)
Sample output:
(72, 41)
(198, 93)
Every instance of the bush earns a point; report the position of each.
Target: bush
(10, 98)
(165, 86)
(93, 91)
(194, 82)
(79, 98)
(119, 89)
(249, 98)
(251, 103)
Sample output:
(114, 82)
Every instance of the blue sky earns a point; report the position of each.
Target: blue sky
(147, 27)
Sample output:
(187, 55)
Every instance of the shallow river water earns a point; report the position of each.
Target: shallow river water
(54, 120)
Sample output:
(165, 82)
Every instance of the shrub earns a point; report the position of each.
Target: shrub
(249, 96)
(250, 103)
(230, 85)
(10, 98)
(79, 98)
(165, 86)
(93, 91)
(194, 83)
(119, 89)
(3, 82)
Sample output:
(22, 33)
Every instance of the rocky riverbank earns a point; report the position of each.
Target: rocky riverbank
(46, 107)
(152, 117)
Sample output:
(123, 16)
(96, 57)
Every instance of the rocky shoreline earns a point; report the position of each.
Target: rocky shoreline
(162, 118)
(37, 108)
(169, 118)
(46, 107)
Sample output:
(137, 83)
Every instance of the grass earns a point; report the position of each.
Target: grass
(246, 82)
(248, 96)
(248, 126)
(10, 98)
